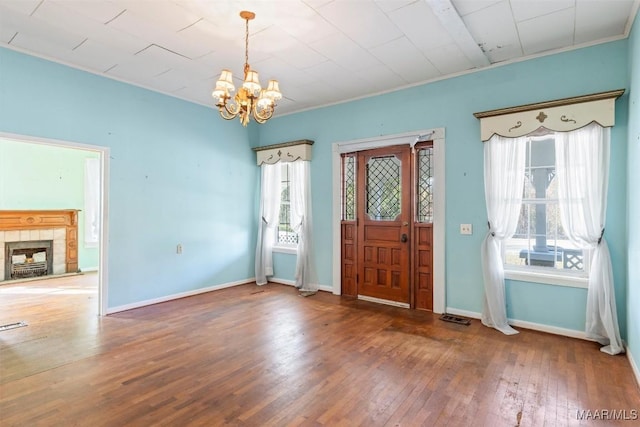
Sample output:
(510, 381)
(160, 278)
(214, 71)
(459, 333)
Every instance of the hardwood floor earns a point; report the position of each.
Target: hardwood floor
(264, 356)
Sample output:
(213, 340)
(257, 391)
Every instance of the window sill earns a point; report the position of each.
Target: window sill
(570, 280)
(286, 249)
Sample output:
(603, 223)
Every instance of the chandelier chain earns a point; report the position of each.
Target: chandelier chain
(246, 47)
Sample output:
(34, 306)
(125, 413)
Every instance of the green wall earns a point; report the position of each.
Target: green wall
(37, 176)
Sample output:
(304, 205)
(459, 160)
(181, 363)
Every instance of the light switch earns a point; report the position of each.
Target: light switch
(466, 229)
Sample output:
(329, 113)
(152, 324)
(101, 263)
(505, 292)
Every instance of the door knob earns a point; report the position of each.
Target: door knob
(404, 238)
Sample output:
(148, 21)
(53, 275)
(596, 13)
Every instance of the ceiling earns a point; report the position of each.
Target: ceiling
(322, 51)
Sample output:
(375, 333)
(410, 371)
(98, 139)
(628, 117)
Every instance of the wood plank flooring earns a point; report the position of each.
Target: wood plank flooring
(264, 356)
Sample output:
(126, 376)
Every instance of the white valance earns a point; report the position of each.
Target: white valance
(285, 152)
(561, 115)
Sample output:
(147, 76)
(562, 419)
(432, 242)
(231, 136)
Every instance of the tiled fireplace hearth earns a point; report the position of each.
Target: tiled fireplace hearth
(53, 234)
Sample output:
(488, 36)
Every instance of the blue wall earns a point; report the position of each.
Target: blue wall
(178, 174)
(633, 159)
(450, 104)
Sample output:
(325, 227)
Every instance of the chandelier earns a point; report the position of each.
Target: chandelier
(251, 99)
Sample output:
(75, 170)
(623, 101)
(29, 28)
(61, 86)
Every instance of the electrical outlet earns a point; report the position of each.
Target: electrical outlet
(466, 229)
(179, 249)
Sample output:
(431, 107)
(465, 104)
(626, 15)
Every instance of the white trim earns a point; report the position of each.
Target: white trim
(293, 250)
(383, 301)
(90, 269)
(103, 274)
(568, 280)
(179, 295)
(634, 366)
(571, 333)
(437, 135)
(288, 282)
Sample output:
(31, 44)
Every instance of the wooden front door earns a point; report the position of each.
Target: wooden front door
(384, 212)
(386, 227)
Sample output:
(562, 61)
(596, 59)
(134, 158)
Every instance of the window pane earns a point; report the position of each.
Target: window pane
(383, 188)
(349, 189)
(286, 235)
(539, 239)
(425, 185)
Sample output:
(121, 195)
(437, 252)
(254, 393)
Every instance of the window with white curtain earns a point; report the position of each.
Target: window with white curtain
(540, 243)
(287, 237)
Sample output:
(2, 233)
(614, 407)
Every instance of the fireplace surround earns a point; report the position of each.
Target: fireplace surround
(28, 226)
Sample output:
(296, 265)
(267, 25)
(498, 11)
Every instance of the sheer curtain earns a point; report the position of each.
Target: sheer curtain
(301, 222)
(582, 171)
(269, 213)
(91, 202)
(504, 162)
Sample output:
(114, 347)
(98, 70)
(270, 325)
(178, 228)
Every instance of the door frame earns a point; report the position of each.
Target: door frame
(103, 273)
(437, 135)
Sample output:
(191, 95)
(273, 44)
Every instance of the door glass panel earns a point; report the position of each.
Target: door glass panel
(425, 185)
(349, 188)
(383, 188)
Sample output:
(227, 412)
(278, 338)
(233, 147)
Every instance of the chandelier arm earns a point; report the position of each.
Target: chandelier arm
(262, 117)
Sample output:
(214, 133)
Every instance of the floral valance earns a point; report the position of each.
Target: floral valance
(561, 115)
(285, 152)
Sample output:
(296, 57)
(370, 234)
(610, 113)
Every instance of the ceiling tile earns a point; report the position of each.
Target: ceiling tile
(99, 11)
(421, 26)
(24, 7)
(465, 7)
(527, 9)
(164, 13)
(590, 24)
(406, 60)
(140, 27)
(310, 29)
(449, 59)
(344, 51)
(95, 56)
(390, 5)
(375, 30)
(547, 32)
(495, 31)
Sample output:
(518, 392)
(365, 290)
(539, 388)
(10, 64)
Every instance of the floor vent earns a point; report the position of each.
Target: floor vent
(12, 326)
(455, 319)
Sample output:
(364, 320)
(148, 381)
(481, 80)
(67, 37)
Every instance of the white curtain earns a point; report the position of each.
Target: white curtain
(504, 162)
(582, 171)
(301, 222)
(268, 222)
(91, 202)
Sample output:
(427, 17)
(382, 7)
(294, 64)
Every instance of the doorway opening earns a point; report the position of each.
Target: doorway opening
(68, 162)
(394, 244)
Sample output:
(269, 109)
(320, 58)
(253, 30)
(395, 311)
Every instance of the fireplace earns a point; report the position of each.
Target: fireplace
(35, 241)
(28, 259)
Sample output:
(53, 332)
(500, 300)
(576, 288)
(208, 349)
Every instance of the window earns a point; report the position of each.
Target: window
(540, 243)
(286, 235)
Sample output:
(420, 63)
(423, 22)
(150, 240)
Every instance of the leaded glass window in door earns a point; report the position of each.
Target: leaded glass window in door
(383, 188)
(425, 185)
(349, 188)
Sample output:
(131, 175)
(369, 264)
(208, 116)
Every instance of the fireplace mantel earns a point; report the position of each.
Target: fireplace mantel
(44, 219)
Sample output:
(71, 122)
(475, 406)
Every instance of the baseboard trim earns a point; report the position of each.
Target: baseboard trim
(634, 367)
(571, 333)
(89, 269)
(112, 310)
